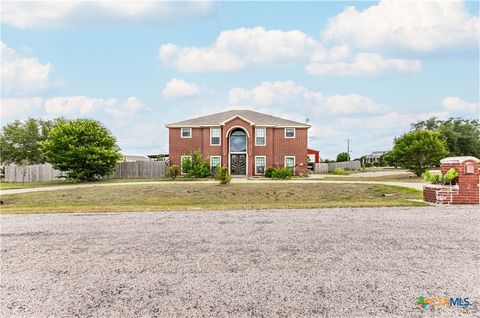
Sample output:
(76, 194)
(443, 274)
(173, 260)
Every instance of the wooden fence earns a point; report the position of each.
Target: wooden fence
(124, 170)
(327, 167)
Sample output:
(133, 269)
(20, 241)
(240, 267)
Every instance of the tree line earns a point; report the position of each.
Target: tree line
(82, 149)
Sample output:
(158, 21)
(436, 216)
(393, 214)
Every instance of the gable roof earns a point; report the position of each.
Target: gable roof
(250, 116)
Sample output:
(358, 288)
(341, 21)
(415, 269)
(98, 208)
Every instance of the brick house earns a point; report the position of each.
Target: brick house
(245, 141)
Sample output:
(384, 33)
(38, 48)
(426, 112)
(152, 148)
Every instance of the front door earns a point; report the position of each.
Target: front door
(238, 164)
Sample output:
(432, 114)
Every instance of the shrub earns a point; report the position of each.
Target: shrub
(173, 171)
(367, 165)
(223, 175)
(269, 172)
(197, 167)
(339, 171)
(282, 173)
(441, 178)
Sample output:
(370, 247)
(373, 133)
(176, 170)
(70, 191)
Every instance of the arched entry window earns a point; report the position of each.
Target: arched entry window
(238, 141)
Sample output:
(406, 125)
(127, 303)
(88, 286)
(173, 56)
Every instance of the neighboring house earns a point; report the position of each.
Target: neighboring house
(245, 141)
(130, 158)
(374, 157)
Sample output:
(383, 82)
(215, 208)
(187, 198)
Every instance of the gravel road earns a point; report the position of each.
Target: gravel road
(371, 262)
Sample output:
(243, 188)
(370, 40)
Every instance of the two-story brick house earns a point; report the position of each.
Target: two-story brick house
(245, 141)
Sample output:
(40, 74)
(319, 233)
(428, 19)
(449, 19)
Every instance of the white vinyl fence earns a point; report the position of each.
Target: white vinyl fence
(124, 170)
(327, 167)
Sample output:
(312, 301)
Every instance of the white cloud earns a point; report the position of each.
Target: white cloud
(281, 93)
(456, 104)
(132, 106)
(287, 95)
(415, 25)
(360, 64)
(82, 105)
(23, 75)
(236, 49)
(177, 88)
(57, 14)
(353, 103)
(20, 107)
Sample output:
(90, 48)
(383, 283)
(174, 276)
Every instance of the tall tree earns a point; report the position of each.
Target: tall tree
(419, 150)
(462, 135)
(20, 141)
(83, 149)
(343, 156)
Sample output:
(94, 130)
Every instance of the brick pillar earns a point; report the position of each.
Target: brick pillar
(468, 180)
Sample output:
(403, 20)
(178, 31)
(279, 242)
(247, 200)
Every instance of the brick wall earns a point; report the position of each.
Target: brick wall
(277, 146)
(465, 189)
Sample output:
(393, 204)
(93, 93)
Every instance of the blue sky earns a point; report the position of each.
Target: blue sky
(358, 70)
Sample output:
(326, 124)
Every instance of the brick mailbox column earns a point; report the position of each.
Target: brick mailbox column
(464, 190)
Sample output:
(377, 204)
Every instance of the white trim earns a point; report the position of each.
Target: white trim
(264, 136)
(243, 128)
(181, 132)
(235, 117)
(264, 165)
(219, 136)
(285, 162)
(181, 161)
(294, 132)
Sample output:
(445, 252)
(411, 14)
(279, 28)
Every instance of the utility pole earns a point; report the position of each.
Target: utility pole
(348, 148)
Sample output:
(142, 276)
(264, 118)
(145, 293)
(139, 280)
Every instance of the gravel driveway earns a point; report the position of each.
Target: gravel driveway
(289, 263)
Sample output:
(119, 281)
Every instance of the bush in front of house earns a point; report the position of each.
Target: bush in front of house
(282, 173)
(223, 175)
(338, 171)
(269, 172)
(197, 167)
(173, 171)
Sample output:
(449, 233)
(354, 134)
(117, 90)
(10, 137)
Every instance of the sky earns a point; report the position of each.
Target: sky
(358, 71)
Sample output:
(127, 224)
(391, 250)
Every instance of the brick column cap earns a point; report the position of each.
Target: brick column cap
(459, 159)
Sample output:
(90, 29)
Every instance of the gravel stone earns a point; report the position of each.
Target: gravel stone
(369, 262)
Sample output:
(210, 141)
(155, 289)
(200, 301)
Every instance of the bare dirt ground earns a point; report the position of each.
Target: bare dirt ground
(370, 262)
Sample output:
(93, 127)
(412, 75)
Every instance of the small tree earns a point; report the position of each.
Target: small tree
(197, 167)
(223, 175)
(83, 149)
(173, 171)
(343, 156)
(419, 150)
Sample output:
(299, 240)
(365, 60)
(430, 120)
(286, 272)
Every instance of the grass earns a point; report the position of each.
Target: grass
(210, 197)
(391, 178)
(6, 185)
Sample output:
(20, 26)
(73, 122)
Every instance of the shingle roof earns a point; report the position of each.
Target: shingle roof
(253, 117)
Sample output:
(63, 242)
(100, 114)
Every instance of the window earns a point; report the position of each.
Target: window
(260, 164)
(238, 141)
(290, 162)
(186, 132)
(185, 163)
(259, 136)
(214, 163)
(289, 132)
(215, 136)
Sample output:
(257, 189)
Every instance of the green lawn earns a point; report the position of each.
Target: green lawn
(210, 196)
(4, 185)
(391, 178)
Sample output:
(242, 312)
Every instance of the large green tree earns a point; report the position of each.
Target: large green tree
(343, 156)
(20, 141)
(83, 149)
(419, 150)
(461, 135)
